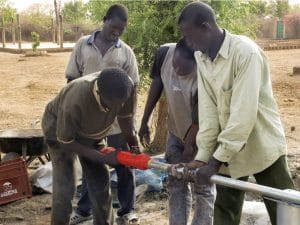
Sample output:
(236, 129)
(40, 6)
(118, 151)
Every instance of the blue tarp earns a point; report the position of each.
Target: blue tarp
(152, 177)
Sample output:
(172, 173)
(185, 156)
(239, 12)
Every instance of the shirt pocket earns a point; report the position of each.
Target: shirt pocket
(224, 107)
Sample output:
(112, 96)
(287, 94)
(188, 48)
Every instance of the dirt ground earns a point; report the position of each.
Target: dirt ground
(28, 83)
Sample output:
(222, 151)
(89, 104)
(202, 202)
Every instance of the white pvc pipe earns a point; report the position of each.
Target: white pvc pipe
(290, 197)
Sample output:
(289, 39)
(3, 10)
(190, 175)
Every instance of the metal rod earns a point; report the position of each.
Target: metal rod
(158, 165)
(277, 194)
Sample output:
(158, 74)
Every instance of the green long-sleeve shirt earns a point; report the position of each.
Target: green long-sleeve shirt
(238, 117)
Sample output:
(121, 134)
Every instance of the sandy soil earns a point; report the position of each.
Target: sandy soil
(28, 83)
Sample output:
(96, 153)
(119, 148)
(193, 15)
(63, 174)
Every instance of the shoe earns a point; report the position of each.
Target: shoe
(77, 218)
(130, 219)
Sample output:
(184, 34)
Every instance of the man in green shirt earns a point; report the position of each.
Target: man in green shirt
(240, 132)
(74, 122)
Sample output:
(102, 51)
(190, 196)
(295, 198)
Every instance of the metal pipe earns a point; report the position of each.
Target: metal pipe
(277, 194)
(158, 165)
(290, 197)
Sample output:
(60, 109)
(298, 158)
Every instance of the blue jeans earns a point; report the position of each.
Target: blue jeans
(180, 194)
(125, 188)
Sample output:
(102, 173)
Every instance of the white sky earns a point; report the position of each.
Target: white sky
(21, 5)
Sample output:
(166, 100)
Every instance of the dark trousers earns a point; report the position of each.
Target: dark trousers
(229, 201)
(97, 176)
(125, 188)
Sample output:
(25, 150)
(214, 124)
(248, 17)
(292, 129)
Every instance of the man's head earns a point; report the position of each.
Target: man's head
(115, 22)
(183, 59)
(115, 87)
(197, 24)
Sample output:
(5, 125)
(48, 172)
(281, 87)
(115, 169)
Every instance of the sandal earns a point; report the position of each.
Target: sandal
(131, 219)
(77, 218)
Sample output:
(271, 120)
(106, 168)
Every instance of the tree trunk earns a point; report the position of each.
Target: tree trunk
(53, 30)
(61, 32)
(19, 32)
(3, 32)
(57, 22)
(13, 31)
(158, 144)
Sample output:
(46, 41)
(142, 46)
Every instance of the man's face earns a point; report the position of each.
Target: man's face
(182, 65)
(113, 29)
(112, 103)
(196, 37)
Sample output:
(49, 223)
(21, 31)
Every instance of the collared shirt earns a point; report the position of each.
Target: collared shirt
(179, 90)
(86, 58)
(239, 121)
(75, 113)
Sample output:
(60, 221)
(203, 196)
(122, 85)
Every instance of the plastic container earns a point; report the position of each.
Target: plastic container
(14, 183)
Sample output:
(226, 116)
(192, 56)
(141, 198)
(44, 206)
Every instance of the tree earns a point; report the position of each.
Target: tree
(57, 12)
(74, 12)
(152, 23)
(7, 10)
(282, 7)
(235, 16)
(35, 37)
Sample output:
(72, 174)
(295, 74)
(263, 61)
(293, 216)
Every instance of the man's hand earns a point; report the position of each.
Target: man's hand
(144, 135)
(185, 171)
(193, 165)
(204, 173)
(110, 158)
(190, 168)
(135, 150)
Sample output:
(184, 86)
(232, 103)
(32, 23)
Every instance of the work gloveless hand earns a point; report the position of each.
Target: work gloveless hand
(203, 174)
(144, 135)
(184, 171)
(110, 156)
(134, 144)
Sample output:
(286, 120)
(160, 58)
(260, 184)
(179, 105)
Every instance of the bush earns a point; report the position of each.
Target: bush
(35, 37)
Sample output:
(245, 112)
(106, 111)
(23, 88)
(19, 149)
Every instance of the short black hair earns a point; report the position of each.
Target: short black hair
(115, 83)
(197, 13)
(117, 10)
(185, 51)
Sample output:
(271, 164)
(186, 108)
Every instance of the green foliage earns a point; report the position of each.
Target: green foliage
(8, 11)
(238, 17)
(278, 8)
(74, 12)
(153, 23)
(295, 9)
(3, 3)
(38, 17)
(282, 7)
(35, 37)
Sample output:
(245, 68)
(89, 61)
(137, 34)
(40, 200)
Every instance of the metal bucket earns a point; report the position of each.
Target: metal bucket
(288, 214)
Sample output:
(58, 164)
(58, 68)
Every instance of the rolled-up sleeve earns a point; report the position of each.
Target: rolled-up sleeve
(243, 108)
(208, 123)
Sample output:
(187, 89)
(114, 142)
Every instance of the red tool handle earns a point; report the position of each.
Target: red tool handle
(139, 161)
